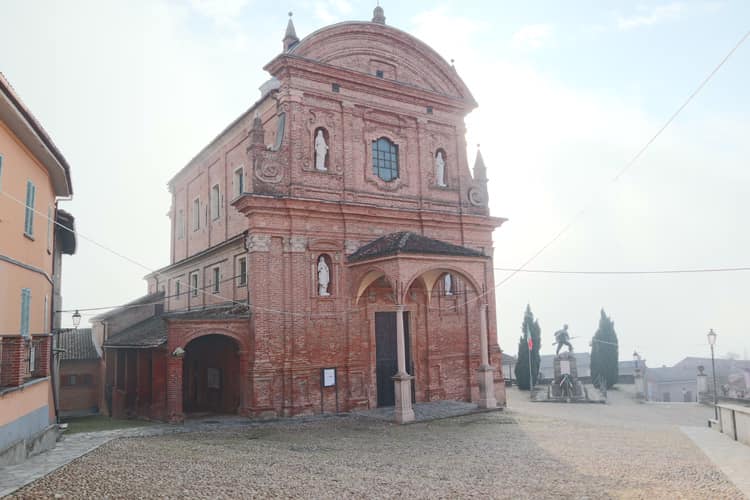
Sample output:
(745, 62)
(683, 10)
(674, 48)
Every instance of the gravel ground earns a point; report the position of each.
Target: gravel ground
(513, 454)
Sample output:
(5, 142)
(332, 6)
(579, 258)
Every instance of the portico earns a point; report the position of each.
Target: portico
(428, 279)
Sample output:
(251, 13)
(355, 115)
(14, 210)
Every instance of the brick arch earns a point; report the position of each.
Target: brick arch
(241, 343)
(366, 278)
(431, 274)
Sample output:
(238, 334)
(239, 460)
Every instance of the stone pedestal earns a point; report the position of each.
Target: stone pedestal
(487, 387)
(403, 412)
(640, 386)
(565, 365)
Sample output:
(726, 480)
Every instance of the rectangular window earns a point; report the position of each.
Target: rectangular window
(239, 182)
(28, 227)
(32, 357)
(335, 87)
(196, 214)
(177, 289)
(242, 264)
(194, 284)
(72, 380)
(217, 277)
(25, 306)
(180, 224)
(215, 202)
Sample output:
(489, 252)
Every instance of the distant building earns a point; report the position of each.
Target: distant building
(34, 175)
(509, 365)
(125, 333)
(679, 382)
(80, 373)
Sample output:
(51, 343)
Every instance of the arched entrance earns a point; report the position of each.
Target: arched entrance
(211, 380)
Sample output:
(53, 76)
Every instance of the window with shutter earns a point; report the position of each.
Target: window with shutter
(25, 306)
(30, 198)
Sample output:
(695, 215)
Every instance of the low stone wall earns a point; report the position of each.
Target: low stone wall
(30, 446)
(734, 421)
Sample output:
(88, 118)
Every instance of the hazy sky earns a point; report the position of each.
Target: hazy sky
(568, 92)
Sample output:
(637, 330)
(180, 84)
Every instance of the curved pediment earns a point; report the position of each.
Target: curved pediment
(371, 48)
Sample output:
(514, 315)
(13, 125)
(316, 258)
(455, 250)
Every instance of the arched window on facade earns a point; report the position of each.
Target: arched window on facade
(324, 273)
(385, 159)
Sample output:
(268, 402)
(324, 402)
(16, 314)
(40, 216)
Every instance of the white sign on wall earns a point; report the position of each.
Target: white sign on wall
(329, 377)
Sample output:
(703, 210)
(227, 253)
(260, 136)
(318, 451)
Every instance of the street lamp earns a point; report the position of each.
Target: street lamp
(76, 319)
(712, 342)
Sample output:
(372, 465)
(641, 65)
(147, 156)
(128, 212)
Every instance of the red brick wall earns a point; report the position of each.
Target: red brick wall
(79, 398)
(297, 213)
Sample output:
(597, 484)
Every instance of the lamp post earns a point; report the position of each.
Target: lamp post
(711, 342)
(76, 319)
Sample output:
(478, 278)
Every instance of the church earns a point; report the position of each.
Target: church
(331, 249)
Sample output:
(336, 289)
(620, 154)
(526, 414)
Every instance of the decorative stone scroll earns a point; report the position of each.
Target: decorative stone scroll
(258, 243)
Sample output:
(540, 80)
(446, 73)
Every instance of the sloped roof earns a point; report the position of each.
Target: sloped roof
(151, 332)
(78, 345)
(146, 299)
(224, 311)
(409, 242)
(15, 114)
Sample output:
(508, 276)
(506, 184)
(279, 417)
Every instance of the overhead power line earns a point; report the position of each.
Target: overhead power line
(629, 164)
(660, 271)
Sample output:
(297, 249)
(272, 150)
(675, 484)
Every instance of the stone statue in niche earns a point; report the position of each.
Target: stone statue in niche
(321, 150)
(440, 169)
(448, 284)
(324, 277)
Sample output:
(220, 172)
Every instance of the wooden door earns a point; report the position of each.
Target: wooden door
(386, 356)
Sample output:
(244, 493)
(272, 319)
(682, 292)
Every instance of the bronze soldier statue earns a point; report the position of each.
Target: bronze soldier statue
(562, 337)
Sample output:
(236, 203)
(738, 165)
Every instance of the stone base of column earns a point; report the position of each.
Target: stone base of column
(487, 387)
(404, 412)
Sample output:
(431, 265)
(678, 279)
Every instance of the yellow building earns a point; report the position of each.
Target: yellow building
(33, 177)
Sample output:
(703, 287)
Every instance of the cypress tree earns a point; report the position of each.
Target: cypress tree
(529, 328)
(604, 352)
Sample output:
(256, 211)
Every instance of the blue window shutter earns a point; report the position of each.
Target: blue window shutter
(30, 198)
(33, 200)
(25, 305)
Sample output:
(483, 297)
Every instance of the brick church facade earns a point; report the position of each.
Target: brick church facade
(331, 249)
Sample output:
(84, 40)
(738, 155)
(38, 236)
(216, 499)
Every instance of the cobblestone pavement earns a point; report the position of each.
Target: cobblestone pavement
(425, 411)
(514, 454)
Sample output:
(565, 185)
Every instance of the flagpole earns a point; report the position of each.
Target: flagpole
(530, 345)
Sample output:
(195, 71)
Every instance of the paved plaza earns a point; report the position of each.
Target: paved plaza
(533, 450)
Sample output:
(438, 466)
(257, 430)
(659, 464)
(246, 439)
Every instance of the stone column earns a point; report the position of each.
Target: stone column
(244, 369)
(175, 414)
(404, 412)
(486, 371)
(640, 389)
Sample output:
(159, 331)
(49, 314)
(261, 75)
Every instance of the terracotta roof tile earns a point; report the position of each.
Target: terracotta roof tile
(78, 345)
(409, 242)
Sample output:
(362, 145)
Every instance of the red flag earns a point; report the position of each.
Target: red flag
(531, 343)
